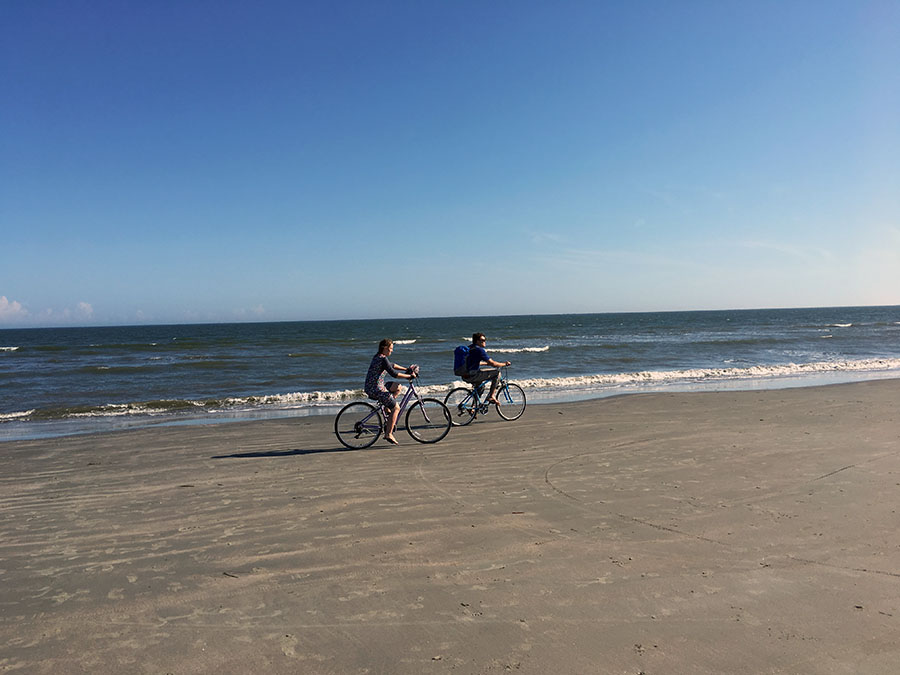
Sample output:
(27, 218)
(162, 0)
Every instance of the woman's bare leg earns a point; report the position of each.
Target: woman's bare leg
(396, 390)
(392, 424)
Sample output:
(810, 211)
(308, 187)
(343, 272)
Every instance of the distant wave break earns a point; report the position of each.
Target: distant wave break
(559, 384)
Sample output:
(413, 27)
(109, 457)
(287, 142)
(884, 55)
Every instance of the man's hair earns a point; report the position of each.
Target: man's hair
(384, 344)
(476, 337)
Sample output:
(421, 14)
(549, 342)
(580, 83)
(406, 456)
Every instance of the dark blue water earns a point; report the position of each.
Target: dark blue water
(63, 379)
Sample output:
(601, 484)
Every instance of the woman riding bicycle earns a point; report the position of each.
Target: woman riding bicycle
(385, 393)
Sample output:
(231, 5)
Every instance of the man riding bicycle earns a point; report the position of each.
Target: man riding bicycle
(480, 367)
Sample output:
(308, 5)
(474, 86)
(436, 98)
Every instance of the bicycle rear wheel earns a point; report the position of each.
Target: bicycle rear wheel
(511, 399)
(428, 420)
(358, 425)
(461, 404)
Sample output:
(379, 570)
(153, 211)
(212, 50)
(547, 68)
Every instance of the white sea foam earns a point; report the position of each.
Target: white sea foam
(113, 410)
(516, 350)
(6, 417)
(840, 325)
(297, 398)
(404, 342)
(133, 409)
(9, 349)
(709, 374)
(559, 385)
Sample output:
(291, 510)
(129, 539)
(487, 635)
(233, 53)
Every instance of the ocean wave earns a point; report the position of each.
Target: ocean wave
(295, 398)
(9, 349)
(109, 370)
(7, 417)
(182, 406)
(516, 350)
(404, 342)
(707, 374)
(736, 342)
(147, 408)
(580, 383)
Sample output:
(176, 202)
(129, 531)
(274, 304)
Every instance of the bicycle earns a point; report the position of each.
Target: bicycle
(466, 403)
(359, 424)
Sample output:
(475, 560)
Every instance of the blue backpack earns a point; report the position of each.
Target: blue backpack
(459, 360)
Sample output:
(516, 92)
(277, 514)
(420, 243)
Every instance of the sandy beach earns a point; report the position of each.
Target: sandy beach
(740, 532)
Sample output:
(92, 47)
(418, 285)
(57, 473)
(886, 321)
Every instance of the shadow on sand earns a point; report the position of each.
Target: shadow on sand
(286, 453)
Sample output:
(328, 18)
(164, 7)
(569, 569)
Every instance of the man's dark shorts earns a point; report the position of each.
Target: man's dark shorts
(482, 375)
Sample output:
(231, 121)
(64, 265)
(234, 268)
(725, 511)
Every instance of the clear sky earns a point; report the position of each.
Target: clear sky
(169, 161)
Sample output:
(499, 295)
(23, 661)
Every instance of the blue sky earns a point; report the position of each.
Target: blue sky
(220, 161)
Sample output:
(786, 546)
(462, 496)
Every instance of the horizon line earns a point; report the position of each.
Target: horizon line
(445, 316)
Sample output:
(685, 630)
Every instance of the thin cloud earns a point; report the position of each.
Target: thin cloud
(541, 238)
(82, 312)
(252, 312)
(11, 310)
(803, 253)
(634, 259)
(687, 198)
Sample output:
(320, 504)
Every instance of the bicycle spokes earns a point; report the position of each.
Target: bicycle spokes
(358, 425)
(513, 403)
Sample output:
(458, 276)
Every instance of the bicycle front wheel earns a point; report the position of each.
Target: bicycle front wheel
(428, 420)
(358, 425)
(511, 401)
(461, 404)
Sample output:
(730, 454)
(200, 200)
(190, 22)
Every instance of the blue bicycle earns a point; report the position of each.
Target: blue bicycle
(466, 403)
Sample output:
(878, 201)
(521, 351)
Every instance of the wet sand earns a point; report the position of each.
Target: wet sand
(739, 532)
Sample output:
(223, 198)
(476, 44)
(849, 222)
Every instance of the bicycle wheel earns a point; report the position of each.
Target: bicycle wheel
(461, 404)
(511, 399)
(428, 420)
(358, 425)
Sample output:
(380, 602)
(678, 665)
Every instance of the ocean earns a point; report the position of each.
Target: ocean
(58, 381)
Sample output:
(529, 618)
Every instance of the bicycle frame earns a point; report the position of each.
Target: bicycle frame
(360, 423)
(411, 393)
(481, 407)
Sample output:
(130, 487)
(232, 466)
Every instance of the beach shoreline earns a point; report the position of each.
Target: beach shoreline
(79, 380)
(23, 430)
(707, 532)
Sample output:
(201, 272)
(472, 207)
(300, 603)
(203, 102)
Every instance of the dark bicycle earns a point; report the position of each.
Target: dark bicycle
(466, 403)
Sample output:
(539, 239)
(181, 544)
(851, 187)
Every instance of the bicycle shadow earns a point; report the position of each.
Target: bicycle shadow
(275, 454)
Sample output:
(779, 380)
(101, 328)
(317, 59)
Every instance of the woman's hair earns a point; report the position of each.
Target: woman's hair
(384, 344)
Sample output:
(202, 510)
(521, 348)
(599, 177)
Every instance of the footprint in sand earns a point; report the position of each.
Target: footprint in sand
(288, 645)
